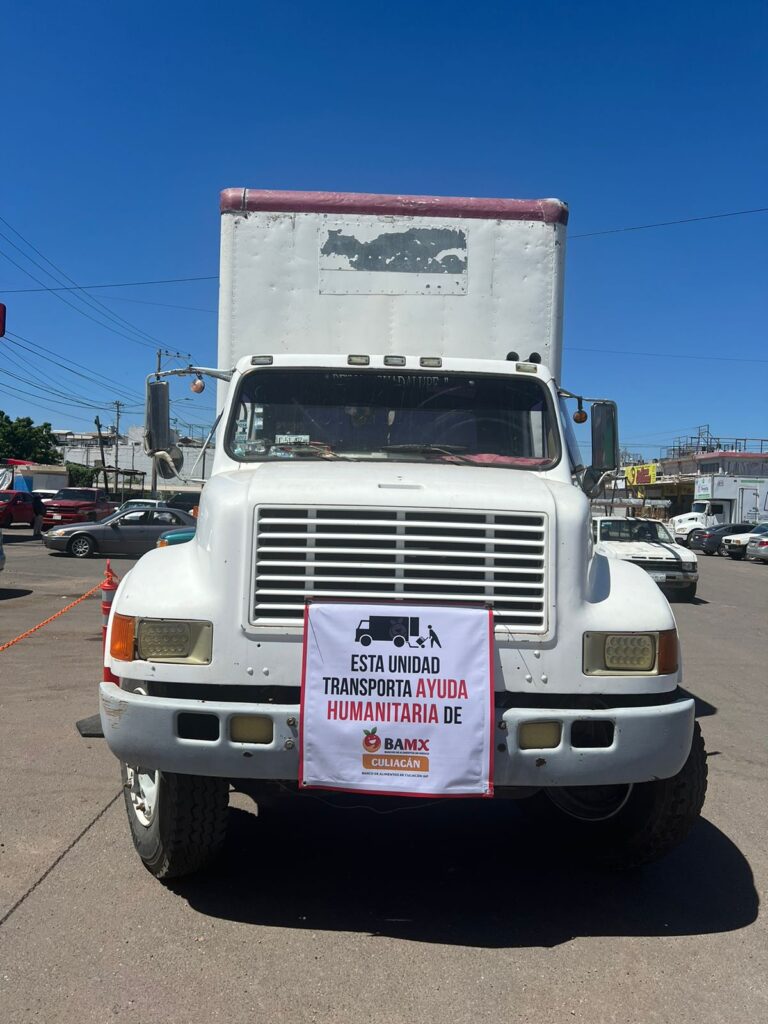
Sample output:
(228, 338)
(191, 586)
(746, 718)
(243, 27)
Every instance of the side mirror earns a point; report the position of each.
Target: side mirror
(605, 446)
(157, 428)
(605, 437)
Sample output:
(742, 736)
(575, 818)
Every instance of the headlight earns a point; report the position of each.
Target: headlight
(175, 640)
(57, 533)
(186, 641)
(635, 654)
(689, 566)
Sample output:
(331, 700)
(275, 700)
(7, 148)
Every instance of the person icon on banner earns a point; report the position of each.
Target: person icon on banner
(433, 638)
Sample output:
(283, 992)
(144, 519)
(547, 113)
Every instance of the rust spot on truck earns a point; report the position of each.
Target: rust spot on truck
(540, 762)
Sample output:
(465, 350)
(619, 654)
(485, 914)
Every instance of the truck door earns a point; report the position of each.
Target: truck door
(22, 509)
(747, 509)
(717, 513)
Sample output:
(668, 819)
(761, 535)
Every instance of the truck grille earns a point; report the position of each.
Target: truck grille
(671, 565)
(417, 555)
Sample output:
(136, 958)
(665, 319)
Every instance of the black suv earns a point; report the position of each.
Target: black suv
(709, 540)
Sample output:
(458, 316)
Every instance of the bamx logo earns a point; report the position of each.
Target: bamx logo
(410, 745)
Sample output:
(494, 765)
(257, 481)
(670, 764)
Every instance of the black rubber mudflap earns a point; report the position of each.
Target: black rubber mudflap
(90, 728)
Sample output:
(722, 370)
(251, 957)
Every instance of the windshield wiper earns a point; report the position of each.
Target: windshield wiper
(453, 450)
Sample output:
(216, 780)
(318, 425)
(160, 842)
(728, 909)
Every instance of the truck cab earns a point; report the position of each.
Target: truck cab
(703, 513)
(393, 431)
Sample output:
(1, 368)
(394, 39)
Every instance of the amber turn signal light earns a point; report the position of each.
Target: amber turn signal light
(667, 659)
(123, 637)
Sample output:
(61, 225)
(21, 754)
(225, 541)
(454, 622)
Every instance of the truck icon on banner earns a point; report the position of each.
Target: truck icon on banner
(394, 629)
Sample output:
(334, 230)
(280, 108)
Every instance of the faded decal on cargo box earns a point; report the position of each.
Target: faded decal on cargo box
(365, 259)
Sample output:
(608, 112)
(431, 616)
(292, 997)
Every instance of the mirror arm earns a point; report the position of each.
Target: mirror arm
(593, 485)
(207, 440)
(165, 457)
(193, 371)
(569, 394)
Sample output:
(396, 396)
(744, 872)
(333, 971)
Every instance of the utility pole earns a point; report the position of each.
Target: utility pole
(103, 460)
(118, 407)
(153, 478)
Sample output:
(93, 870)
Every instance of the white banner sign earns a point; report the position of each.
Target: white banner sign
(397, 699)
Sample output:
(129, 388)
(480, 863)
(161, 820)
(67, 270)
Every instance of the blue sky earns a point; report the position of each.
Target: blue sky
(121, 123)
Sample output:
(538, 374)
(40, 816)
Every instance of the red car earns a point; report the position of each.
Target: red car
(77, 505)
(16, 507)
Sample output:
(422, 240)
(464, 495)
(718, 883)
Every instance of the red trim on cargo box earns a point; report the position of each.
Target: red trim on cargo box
(549, 211)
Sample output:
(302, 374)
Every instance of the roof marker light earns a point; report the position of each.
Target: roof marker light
(525, 367)
(261, 360)
(432, 361)
(394, 360)
(358, 360)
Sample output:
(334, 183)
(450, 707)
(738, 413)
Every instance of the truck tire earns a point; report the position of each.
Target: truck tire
(736, 555)
(638, 824)
(178, 822)
(688, 593)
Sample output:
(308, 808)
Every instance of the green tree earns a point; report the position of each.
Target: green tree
(80, 475)
(21, 439)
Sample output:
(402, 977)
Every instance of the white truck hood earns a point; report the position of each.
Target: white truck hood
(389, 483)
(645, 550)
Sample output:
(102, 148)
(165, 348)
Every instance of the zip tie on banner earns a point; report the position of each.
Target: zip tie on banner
(108, 577)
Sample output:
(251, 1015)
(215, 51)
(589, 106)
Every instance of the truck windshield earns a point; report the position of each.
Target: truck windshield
(699, 506)
(634, 530)
(74, 494)
(477, 419)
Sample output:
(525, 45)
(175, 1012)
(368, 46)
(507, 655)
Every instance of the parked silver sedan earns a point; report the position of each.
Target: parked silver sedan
(124, 533)
(757, 547)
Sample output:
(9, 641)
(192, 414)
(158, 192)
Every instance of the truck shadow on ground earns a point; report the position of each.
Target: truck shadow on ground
(10, 593)
(470, 875)
(702, 708)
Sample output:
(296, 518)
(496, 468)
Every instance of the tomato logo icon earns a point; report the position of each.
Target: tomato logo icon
(371, 742)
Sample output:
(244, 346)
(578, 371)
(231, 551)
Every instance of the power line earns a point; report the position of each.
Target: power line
(670, 223)
(66, 406)
(118, 284)
(92, 376)
(47, 389)
(61, 275)
(46, 408)
(215, 277)
(165, 305)
(77, 309)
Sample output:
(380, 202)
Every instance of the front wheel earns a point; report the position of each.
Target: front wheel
(688, 593)
(627, 826)
(178, 822)
(736, 555)
(81, 547)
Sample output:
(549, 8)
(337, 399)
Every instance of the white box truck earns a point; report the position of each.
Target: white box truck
(722, 499)
(394, 438)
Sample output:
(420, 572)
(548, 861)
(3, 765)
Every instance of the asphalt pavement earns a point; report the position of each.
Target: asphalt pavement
(316, 914)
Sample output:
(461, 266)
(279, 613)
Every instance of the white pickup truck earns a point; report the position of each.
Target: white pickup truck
(394, 432)
(649, 544)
